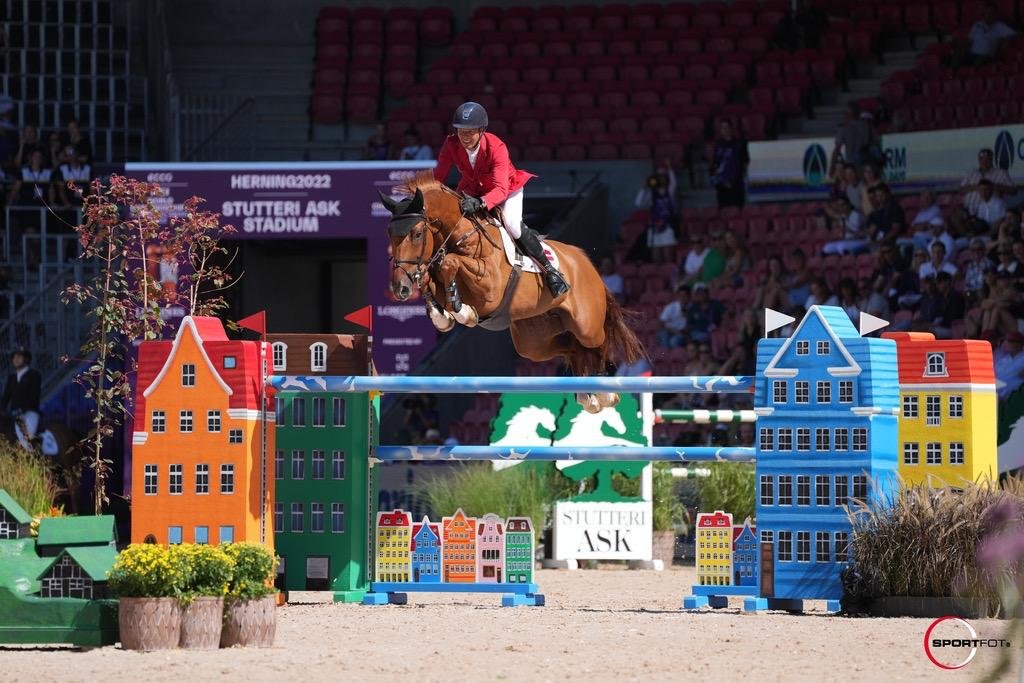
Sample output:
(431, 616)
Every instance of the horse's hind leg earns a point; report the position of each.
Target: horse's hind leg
(587, 358)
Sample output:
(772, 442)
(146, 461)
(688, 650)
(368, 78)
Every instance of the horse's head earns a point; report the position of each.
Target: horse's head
(412, 242)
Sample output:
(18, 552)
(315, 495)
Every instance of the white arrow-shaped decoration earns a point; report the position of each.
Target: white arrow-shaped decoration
(773, 320)
(869, 323)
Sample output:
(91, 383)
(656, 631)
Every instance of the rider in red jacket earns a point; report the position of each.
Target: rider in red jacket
(489, 179)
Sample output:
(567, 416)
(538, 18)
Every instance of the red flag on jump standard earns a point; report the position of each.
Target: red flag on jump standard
(364, 317)
(257, 322)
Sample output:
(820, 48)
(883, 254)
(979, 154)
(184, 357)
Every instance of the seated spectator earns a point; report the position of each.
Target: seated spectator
(28, 143)
(34, 185)
(54, 150)
(737, 260)
(856, 141)
(612, 280)
(928, 211)
(970, 185)
(702, 363)
(889, 267)
(940, 305)
(989, 209)
(849, 299)
(799, 280)
(986, 36)
(673, 319)
(887, 222)
(74, 137)
(851, 226)
(693, 264)
(773, 292)
(937, 263)
(1007, 232)
(872, 301)
(73, 171)
(1008, 264)
(820, 295)
(741, 360)
(1008, 361)
(414, 149)
(870, 177)
(974, 271)
(703, 315)
(996, 315)
(659, 198)
(378, 147)
(848, 185)
(940, 233)
(714, 261)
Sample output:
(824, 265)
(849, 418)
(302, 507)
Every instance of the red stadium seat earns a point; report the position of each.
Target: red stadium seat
(823, 72)
(698, 72)
(603, 150)
(946, 16)
(579, 18)
(494, 50)
(435, 26)
(789, 99)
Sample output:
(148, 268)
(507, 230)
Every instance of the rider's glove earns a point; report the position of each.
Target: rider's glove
(471, 205)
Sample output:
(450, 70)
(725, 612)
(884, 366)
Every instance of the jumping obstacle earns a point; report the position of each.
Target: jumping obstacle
(642, 453)
(512, 594)
(703, 417)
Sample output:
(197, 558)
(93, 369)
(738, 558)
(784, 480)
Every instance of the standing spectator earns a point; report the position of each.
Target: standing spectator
(974, 271)
(658, 197)
(729, 167)
(703, 315)
(928, 210)
(28, 143)
(940, 305)
(694, 262)
(970, 186)
(378, 147)
(21, 396)
(986, 36)
(612, 280)
(673, 319)
(1009, 365)
(887, 222)
(74, 137)
(414, 149)
(851, 228)
(937, 262)
(856, 140)
(73, 171)
(988, 210)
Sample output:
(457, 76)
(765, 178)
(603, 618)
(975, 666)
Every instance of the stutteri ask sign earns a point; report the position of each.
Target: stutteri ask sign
(603, 531)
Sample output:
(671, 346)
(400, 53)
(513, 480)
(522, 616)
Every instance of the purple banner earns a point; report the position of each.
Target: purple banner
(315, 200)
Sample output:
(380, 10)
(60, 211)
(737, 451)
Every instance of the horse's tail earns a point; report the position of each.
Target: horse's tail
(621, 345)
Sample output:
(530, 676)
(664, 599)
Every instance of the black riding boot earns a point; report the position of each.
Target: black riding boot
(531, 246)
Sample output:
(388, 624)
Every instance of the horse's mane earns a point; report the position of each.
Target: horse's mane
(448, 209)
(422, 180)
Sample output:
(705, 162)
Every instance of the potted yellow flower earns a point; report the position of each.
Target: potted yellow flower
(149, 580)
(250, 609)
(209, 574)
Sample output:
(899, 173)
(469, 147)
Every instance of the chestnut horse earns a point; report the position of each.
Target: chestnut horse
(458, 264)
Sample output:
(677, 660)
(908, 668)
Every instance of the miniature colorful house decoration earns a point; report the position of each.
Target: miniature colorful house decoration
(826, 401)
(394, 532)
(50, 585)
(745, 552)
(201, 453)
(323, 483)
(714, 549)
(947, 409)
(14, 521)
(490, 548)
(458, 538)
(519, 550)
(426, 552)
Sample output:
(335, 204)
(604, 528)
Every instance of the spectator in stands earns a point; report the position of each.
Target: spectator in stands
(937, 262)
(856, 140)
(658, 197)
(693, 264)
(9, 137)
(729, 167)
(1007, 232)
(72, 170)
(799, 280)
(940, 305)
(414, 149)
(1008, 263)
(773, 291)
(928, 210)
(850, 226)
(1008, 362)
(74, 137)
(673, 319)
(54, 150)
(801, 26)
(974, 271)
(28, 143)
(989, 209)
(20, 398)
(703, 315)
(612, 280)
(34, 184)
(870, 177)
(970, 186)
(741, 361)
(820, 295)
(378, 147)
(996, 315)
(939, 233)
(986, 36)
(701, 363)
(848, 298)
(848, 185)
(714, 261)
(872, 301)
(737, 260)
(887, 222)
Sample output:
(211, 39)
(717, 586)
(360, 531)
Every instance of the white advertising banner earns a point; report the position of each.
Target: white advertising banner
(938, 158)
(603, 531)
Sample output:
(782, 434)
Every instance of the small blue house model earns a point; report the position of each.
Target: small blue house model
(426, 552)
(826, 400)
(745, 553)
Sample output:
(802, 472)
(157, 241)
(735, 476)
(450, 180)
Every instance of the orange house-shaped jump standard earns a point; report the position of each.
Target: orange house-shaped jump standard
(197, 440)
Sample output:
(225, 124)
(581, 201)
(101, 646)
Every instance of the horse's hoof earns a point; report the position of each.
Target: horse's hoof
(589, 403)
(442, 320)
(467, 315)
(608, 400)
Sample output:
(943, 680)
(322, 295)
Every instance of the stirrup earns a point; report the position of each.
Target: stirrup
(555, 282)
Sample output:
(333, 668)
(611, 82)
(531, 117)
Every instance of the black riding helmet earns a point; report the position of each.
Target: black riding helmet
(470, 115)
(23, 352)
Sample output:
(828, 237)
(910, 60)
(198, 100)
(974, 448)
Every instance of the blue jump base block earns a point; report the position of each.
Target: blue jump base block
(645, 453)
(796, 606)
(715, 596)
(395, 592)
(409, 384)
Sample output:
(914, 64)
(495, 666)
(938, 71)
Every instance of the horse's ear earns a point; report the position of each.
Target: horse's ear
(387, 201)
(416, 205)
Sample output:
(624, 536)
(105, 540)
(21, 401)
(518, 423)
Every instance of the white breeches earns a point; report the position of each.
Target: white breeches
(30, 420)
(512, 210)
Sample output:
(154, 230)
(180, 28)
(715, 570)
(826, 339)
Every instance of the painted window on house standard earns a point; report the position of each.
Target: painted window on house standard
(316, 517)
(151, 480)
(279, 412)
(202, 478)
(933, 453)
(174, 484)
(780, 393)
(298, 412)
(822, 494)
(842, 489)
(823, 391)
(956, 453)
(803, 347)
(935, 364)
(785, 438)
(338, 411)
(279, 464)
(911, 453)
(860, 438)
(824, 348)
(235, 436)
(298, 464)
(803, 489)
(803, 546)
(213, 421)
(767, 489)
(202, 534)
(956, 406)
(318, 357)
(298, 517)
(860, 487)
(822, 546)
(767, 438)
(910, 407)
(842, 546)
(784, 546)
(185, 421)
(279, 351)
(319, 411)
(933, 411)
(230, 362)
(158, 422)
(802, 391)
(174, 535)
(338, 465)
(337, 518)
(785, 489)
(822, 442)
(846, 391)
(803, 439)
(188, 374)
(842, 438)
(278, 517)
(319, 464)
(227, 478)
(767, 536)
(226, 534)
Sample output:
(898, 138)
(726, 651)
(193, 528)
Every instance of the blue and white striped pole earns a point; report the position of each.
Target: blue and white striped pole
(640, 453)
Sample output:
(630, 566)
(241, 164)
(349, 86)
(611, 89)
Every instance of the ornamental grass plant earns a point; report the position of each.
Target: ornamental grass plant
(27, 478)
(729, 487)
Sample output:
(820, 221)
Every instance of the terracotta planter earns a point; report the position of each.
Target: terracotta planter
(663, 547)
(250, 623)
(149, 623)
(201, 624)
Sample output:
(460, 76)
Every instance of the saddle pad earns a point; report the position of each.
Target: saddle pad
(526, 263)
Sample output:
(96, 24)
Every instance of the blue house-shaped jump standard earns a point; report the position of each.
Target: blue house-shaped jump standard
(744, 555)
(426, 552)
(826, 400)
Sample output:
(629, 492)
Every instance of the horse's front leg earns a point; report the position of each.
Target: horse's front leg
(448, 272)
(442, 320)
